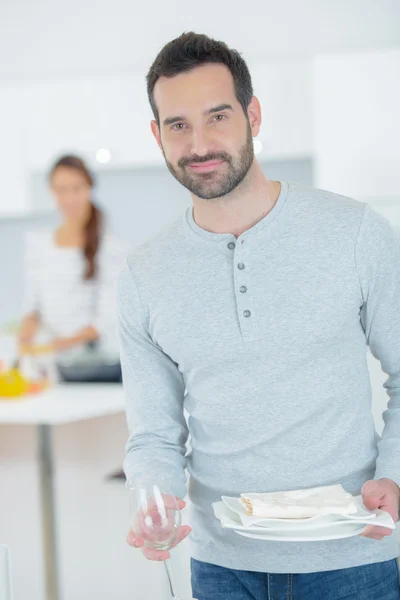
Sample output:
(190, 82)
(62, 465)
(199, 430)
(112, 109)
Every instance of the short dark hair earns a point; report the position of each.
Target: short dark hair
(191, 50)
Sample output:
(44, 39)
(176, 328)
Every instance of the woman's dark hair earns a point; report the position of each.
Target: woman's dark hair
(93, 227)
(192, 50)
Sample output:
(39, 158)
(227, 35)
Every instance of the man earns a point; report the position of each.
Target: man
(259, 303)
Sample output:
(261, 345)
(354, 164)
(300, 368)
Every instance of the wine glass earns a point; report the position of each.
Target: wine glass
(156, 519)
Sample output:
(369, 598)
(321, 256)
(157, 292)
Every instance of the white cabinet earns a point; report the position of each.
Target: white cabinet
(13, 192)
(41, 120)
(357, 123)
(285, 91)
(88, 114)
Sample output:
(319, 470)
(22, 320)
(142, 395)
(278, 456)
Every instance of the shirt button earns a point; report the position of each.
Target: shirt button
(241, 266)
(243, 289)
(247, 313)
(231, 245)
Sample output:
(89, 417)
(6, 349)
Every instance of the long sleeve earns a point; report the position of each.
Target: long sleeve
(378, 265)
(154, 389)
(31, 283)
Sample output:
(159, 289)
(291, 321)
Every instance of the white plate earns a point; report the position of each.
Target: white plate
(317, 535)
(330, 530)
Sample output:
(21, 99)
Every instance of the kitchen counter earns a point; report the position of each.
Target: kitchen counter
(64, 403)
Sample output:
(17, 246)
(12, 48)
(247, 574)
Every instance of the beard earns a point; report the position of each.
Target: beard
(215, 184)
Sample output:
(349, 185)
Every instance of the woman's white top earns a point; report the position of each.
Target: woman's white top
(55, 287)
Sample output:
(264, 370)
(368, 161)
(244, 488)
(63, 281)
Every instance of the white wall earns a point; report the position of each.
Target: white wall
(357, 123)
(53, 37)
(43, 118)
(72, 75)
(13, 175)
(284, 88)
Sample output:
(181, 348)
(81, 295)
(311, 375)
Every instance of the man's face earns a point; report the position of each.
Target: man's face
(205, 136)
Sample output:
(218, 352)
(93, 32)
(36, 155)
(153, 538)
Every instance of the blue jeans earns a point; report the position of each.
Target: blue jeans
(378, 581)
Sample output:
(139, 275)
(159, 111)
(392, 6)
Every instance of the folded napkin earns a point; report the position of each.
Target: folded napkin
(300, 504)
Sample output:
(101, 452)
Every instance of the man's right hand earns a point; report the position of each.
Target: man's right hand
(150, 554)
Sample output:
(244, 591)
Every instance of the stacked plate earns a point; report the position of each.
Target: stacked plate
(232, 515)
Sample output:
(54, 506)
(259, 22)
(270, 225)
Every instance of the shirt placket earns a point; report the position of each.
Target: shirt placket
(244, 292)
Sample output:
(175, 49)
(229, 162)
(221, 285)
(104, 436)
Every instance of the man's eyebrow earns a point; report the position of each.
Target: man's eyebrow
(172, 120)
(218, 108)
(210, 111)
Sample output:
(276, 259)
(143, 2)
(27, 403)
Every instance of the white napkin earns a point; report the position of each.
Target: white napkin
(300, 504)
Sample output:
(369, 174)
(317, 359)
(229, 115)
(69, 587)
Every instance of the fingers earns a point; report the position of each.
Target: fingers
(376, 533)
(371, 495)
(185, 530)
(372, 488)
(158, 555)
(371, 502)
(380, 494)
(390, 504)
(148, 552)
(171, 502)
(133, 540)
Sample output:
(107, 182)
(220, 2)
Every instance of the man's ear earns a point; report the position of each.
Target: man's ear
(254, 114)
(156, 132)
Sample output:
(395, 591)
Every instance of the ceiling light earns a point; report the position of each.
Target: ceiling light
(103, 156)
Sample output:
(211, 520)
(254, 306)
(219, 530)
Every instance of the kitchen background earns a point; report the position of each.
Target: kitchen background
(138, 202)
(72, 80)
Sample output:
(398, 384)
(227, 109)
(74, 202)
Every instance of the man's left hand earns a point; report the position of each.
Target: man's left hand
(385, 495)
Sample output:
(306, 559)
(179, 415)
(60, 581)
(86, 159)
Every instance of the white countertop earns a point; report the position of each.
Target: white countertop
(64, 403)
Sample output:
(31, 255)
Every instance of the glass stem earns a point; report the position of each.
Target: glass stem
(170, 580)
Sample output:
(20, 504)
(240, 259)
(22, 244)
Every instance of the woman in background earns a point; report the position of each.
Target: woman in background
(71, 275)
(71, 272)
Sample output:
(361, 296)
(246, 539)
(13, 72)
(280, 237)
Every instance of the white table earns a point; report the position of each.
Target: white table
(65, 403)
